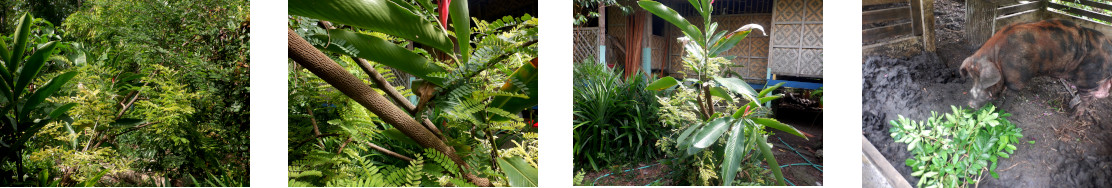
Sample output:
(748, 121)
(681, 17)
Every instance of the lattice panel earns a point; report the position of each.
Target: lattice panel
(797, 39)
(586, 43)
(813, 10)
(812, 35)
(786, 35)
(658, 53)
(810, 62)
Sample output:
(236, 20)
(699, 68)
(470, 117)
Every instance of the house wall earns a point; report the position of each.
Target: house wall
(796, 46)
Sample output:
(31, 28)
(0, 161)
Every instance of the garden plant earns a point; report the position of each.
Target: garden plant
(705, 112)
(124, 93)
(956, 149)
(358, 119)
(615, 118)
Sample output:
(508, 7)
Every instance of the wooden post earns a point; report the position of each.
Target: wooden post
(916, 17)
(927, 12)
(601, 33)
(978, 22)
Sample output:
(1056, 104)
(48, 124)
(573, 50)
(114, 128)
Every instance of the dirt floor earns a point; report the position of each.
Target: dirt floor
(806, 120)
(1065, 153)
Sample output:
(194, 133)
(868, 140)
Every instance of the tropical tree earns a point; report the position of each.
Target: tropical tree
(744, 127)
(470, 78)
(25, 111)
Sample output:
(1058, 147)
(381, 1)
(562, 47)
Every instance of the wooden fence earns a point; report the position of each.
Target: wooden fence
(1087, 13)
(898, 27)
(586, 43)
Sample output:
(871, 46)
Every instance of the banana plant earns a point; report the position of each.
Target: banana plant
(444, 78)
(744, 127)
(22, 105)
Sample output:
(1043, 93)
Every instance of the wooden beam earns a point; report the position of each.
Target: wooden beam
(902, 47)
(876, 34)
(880, 2)
(885, 15)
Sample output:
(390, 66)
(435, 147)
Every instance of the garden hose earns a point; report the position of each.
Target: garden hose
(808, 163)
(608, 174)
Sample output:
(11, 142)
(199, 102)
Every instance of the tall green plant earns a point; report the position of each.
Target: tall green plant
(23, 109)
(744, 127)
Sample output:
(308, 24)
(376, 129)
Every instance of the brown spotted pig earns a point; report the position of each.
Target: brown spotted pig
(1055, 48)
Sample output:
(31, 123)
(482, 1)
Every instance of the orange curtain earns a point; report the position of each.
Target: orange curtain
(633, 43)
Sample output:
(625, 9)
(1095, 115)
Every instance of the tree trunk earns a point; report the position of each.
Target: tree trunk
(312, 59)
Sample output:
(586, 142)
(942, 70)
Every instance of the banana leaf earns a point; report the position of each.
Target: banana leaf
(31, 68)
(377, 15)
(518, 172)
(527, 75)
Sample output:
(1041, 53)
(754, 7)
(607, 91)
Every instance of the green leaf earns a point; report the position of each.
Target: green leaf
(518, 172)
(714, 129)
(5, 54)
(738, 86)
(43, 92)
(779, 126)
(461, 21)
(673, 17)
(764, 92)
(662, 83)
(762, 143)
(22, 34)
(381, 51)
(721, 93)
(61, 110)
(92, 181)
(31, 68)
(526, 74)
(733, 153)
(683, 141)
(753, 104)
(377, 15)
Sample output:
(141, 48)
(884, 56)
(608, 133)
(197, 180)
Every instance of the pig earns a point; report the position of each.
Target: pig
(1056, 48)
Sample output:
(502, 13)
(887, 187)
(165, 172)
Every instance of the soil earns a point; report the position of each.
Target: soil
(802, 117)
(1066, 152)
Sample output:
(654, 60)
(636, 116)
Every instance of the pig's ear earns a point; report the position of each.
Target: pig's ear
(989, 74)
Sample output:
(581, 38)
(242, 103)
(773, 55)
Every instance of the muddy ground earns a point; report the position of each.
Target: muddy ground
(1066, 153)
(807, 120)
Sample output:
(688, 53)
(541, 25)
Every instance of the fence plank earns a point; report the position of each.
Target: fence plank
(1080, 12)
(1017, 8)
(884, 15)
(875, 34)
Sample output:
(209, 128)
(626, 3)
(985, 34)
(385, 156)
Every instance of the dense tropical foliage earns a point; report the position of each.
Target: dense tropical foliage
(712, 127)
(124, 93)
(410, 93)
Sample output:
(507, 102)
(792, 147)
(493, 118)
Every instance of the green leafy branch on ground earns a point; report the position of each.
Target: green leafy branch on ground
(956, 149)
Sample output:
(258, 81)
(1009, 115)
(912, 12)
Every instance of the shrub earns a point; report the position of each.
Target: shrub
(615, 118)
(955, 149)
